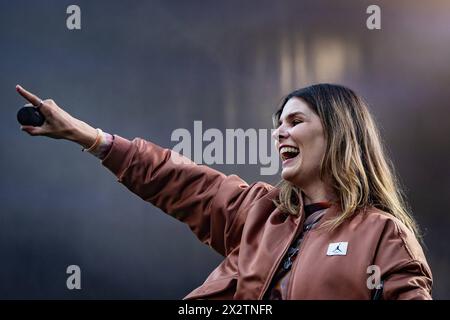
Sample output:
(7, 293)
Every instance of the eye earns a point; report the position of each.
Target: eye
(296, 122)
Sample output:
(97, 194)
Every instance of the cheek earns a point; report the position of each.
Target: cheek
(311, 141)
(321, 145)
(314, 150)
(319, 151)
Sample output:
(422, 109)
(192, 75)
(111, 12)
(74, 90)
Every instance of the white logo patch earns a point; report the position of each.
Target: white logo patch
(337, 249)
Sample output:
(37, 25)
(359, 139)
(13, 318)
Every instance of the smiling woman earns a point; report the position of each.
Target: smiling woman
(343, 158)
(302, 144)
(338, 208)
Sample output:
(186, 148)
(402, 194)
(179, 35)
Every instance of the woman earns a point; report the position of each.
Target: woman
(335, 227)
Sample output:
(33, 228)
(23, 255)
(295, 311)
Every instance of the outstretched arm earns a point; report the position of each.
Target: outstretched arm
(212, 204)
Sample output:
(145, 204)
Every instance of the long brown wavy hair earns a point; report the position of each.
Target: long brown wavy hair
(355, 159)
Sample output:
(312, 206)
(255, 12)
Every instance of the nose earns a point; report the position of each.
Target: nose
(280, 133)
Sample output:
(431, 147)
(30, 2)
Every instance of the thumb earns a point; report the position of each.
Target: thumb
(32, 131)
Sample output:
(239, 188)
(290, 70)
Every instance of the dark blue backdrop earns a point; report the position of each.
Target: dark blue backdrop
(146, 68)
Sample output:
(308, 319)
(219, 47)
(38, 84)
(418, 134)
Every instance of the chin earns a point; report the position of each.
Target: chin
(288, 175)
(291, 171)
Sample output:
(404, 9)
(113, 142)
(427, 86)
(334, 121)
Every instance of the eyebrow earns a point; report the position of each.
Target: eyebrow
(292, 115)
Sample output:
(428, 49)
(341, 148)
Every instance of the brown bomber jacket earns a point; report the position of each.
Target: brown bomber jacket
(241, 222)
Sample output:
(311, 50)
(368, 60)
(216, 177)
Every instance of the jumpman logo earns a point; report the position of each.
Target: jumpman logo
(337, 249)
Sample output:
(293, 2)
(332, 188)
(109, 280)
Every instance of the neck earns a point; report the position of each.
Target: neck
(318, 192)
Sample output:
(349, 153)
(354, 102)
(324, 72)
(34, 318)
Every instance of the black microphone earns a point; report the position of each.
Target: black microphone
(30, 116)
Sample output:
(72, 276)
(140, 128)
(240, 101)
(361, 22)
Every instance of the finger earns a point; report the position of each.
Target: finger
(35, 101)
(32, 131)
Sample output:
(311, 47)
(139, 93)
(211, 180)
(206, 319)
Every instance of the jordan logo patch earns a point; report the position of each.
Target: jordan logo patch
(337, 249)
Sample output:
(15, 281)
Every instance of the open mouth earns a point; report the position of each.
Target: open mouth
(287, 153)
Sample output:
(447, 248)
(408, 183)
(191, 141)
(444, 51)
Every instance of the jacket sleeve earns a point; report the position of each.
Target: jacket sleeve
(404, 268)
(212, 204)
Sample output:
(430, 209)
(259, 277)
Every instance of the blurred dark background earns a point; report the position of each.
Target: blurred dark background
(146, 68)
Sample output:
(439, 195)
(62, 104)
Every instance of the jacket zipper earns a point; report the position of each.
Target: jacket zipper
(291, 275)
(275, 267)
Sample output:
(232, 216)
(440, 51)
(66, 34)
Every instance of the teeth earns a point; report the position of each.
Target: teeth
(284, 150)
(289, 149)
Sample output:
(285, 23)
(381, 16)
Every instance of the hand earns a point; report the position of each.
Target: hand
(58, 123)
